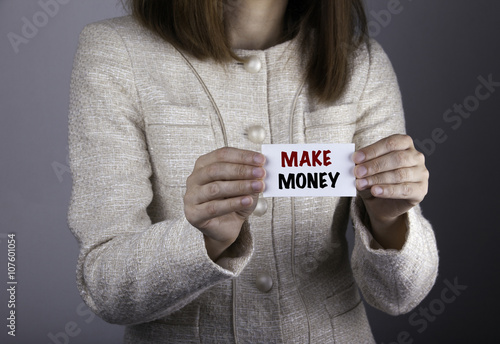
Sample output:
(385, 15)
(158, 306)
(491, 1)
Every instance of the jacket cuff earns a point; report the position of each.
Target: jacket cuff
(394, 281)
(365, 237)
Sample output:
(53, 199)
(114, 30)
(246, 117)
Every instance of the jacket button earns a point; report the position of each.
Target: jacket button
(252, 64)
(256, 134)
(261, 207)
(264, 283)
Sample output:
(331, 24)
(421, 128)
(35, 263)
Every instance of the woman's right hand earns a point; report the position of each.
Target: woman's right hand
(222, 192)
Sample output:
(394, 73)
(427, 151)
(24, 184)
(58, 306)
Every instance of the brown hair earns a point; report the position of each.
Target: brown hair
(329, 28)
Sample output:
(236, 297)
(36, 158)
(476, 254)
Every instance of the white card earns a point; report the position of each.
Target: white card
(309, 170)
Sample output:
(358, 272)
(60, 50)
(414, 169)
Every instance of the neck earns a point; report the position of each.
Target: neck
(254, 24)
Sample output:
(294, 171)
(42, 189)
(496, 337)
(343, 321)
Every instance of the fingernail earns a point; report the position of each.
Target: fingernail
(259, 159)
(359, 157)
(378, 190)
(246, 201)
(258, 172)
(256, 186)
(361, 171)
(362, 183)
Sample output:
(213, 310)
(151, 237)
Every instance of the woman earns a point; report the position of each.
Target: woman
(169, 108)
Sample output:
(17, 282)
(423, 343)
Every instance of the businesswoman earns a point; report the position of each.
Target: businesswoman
(169, 109)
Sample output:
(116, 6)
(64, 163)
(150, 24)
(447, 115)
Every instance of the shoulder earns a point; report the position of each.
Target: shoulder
(123, 27)
(370, 55)
(121, 34)
(369, 64)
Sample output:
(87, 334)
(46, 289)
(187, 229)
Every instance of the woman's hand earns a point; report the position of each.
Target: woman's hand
(221, 193)
(391, 178)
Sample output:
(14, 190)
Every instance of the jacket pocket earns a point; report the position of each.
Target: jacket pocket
(348, 317)
(335, 124)
(177, 137)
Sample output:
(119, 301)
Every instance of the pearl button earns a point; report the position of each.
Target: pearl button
(261, 207)
(252, 64)
(264, 283)
(256, 134)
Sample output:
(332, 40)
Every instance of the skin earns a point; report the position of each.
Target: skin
(222, 192)
(254, 24)
(224, 187)
(391, 178)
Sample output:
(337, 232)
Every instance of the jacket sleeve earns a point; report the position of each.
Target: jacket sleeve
(129, 270)
(390, 280)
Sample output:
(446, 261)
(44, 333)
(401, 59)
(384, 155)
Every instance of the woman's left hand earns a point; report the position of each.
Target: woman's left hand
(391, 178)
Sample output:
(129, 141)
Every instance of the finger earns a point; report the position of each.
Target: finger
(201, 214)
(414, 192)
(398, 176)
(221, 190)
(382, 147)
(224, 172)
(389, 162)
(231, 155)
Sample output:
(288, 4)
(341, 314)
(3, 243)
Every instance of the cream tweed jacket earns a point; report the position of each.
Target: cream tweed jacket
(141, 113)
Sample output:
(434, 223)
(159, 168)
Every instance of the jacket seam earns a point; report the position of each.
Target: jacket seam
(132, 71)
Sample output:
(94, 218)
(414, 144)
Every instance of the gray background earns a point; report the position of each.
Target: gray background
(438, 49)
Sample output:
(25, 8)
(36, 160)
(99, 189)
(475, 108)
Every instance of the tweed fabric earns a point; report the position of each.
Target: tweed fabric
(140, 116)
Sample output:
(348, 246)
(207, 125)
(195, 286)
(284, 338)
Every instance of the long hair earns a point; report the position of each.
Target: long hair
(329, 31)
